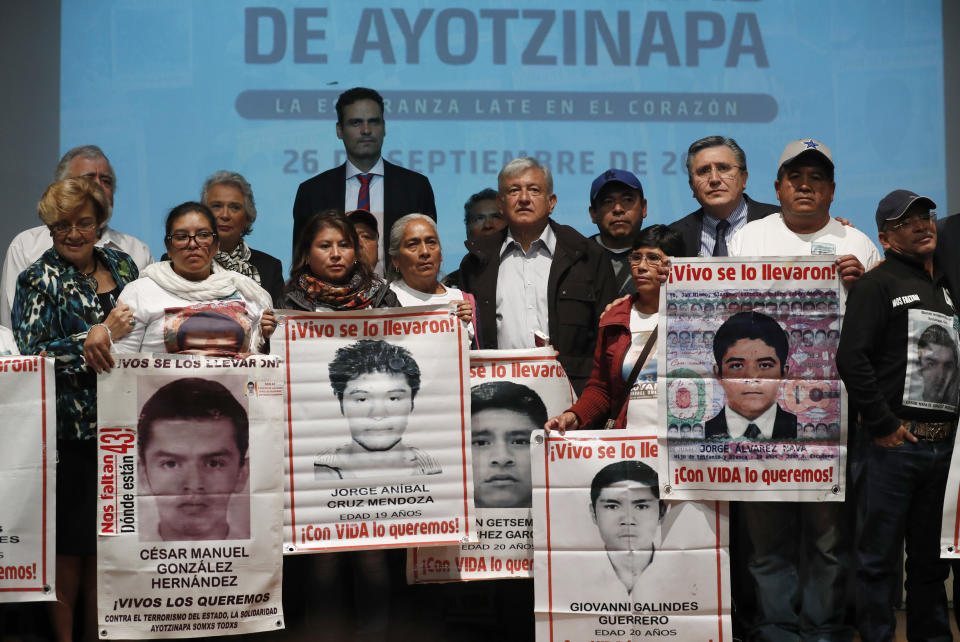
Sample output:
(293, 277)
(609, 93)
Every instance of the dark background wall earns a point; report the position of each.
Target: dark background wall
(29, 109)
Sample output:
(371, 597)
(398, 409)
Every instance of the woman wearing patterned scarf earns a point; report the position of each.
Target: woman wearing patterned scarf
(230, 198)
(327, 273)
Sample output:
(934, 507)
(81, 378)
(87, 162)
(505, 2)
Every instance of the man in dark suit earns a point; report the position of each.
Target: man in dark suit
(365, 181)
(717, 172)
(751, 352)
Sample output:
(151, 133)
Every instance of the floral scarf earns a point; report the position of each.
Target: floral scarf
(352, 295)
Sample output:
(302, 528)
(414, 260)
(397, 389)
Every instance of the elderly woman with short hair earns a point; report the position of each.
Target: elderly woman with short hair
(230, 198)
(66, 307)
(416, 255)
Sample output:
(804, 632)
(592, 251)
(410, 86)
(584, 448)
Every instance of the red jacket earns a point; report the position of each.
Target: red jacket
(606, 387)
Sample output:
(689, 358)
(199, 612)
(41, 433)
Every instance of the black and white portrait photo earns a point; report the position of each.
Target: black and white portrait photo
(376, 384)
(193, 437)
(503, 414)
(931, 379)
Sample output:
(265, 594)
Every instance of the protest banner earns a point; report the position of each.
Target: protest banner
(190, 506)
(27, 479)
(754, 408)
(377, 428)
(612, 560)
(512, 392)
(950, 524)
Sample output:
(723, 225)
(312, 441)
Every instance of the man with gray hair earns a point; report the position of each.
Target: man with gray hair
(27, 246)
(537, 282)
(717, 173)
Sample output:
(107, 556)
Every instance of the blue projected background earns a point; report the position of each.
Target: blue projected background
(178, 89)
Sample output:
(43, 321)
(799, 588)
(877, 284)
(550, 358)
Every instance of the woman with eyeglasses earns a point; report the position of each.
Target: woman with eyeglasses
(627, 333)
(189, 303)
(66, 307)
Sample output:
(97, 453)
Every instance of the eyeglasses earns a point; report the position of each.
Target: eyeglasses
(63, 228)
(724, 171)
(922, 217)
(180, 240)
(654, 259)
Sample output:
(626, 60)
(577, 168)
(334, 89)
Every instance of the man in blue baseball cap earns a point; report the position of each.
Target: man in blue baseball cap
(617, 207)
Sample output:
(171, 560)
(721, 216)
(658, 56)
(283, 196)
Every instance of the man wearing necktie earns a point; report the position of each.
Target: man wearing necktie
(751, 351)
(365, 181)
(717, 174)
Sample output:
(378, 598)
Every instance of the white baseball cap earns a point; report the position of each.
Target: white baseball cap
(797, 148)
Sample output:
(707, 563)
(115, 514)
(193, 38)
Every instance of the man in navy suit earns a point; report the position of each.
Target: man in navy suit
(365, 181)
(717, 173)
(751, 352)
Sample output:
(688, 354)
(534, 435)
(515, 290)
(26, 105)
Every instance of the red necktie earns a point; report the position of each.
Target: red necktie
(363, 198)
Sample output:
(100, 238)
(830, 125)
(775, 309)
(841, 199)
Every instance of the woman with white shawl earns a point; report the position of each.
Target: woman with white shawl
(190, 304)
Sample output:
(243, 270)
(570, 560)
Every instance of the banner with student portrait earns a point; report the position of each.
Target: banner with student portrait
(754, 408)
(377, 428)
(27, 479)
(612, 560)
(190, 504)
(512, 393)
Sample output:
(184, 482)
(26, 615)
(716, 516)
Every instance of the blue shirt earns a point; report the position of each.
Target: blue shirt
(708, 235)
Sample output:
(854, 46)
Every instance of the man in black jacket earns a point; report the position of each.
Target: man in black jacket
(717, 173)
(365, 181)
(884, 362)
(538, 280)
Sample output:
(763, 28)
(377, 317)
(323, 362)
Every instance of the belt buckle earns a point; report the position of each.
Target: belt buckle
(930, 431)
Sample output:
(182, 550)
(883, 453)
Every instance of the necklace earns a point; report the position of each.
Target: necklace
(89, 275)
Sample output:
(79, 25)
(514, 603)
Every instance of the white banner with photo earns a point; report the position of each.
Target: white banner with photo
(612, 559)
(27, 479)
(754, 408)
(377, 428)
(950, 523)
(190, 504)
(930, 381)
(512, 392)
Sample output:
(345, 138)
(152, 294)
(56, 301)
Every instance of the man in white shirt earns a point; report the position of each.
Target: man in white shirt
(789, 535)
(365, 181)
(805, 189)
(537, 282)
(27, 246)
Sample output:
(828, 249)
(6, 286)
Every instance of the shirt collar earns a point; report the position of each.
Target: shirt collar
(738, 215)
(737, 423)
(109, 238)
(377, 169)
(547, 240)
(622, 250)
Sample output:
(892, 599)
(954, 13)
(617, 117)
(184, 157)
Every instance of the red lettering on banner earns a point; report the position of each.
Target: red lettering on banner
(568, 450)
(688, 272)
